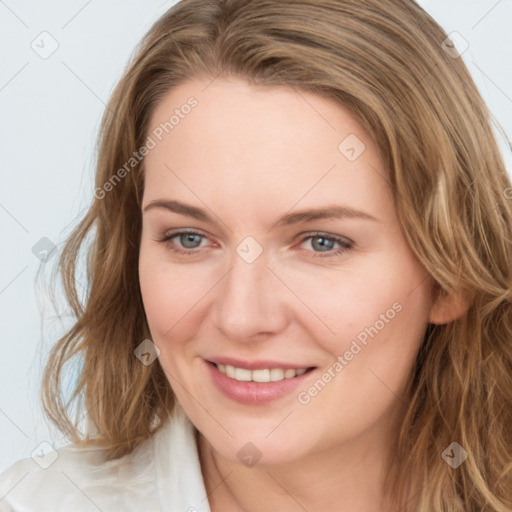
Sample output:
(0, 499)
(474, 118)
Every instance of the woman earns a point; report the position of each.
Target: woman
(300, 275)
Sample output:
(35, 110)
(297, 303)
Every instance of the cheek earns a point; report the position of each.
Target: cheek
(379, 327)
(172, 302)
(170, 293)
(386, 301)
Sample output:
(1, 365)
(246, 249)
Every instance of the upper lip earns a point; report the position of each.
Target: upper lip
(256, 364)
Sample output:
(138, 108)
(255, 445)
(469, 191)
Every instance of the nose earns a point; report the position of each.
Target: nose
(250, 301)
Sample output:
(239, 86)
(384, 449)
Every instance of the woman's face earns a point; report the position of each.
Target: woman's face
(297, 262)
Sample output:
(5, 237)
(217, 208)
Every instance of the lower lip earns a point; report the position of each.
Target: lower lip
(254, 393)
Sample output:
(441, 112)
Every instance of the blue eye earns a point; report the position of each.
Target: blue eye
(326, 244)
(189, 240)
(323, 245)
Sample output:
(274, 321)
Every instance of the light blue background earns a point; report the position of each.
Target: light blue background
(50, 113)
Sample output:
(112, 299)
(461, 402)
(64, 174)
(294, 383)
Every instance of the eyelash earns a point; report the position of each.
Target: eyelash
(345, 244)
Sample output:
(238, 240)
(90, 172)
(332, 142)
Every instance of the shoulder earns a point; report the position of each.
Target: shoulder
(77, 478)
(164, 469)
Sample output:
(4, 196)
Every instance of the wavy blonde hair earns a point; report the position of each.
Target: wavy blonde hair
(384, 60)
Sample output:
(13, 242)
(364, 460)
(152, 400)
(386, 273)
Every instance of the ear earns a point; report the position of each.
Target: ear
(447, 308)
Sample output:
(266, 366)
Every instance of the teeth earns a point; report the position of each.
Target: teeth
(276, 374)
(242, 374)
(288, 374)
(264, 375)
(260, 375)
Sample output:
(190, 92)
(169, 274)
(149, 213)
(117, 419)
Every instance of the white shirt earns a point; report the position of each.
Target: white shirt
(162, 474)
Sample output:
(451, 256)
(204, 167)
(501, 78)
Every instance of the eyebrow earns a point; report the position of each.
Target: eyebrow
(297, 217)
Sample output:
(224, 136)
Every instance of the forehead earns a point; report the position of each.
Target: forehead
(249, 115)
(260, 145)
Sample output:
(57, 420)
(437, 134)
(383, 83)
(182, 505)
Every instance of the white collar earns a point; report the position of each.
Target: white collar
(162, 474)
(180, 483)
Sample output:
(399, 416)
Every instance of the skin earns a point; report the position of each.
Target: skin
(248, 155)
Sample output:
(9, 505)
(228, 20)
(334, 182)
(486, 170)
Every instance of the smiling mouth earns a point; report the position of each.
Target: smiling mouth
(260, 375)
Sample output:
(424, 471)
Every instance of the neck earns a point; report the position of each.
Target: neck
(347, 477)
